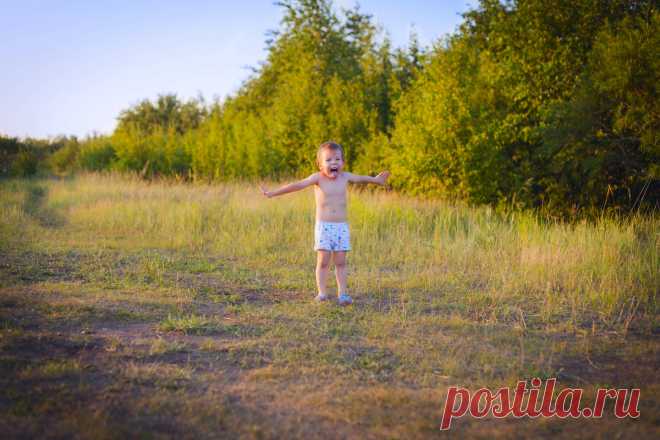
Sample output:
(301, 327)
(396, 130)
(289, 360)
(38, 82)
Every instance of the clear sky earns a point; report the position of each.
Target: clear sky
(70, 66)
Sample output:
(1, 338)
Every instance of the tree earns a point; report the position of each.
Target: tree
(478, 121)
(150, 136)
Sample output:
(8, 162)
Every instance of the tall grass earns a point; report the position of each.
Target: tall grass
(431, 256)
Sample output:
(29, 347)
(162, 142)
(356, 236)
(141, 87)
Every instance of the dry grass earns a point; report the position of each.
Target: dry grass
(165, 307)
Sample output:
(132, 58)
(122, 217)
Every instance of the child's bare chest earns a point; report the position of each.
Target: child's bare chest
(333, 189)
(331, 200)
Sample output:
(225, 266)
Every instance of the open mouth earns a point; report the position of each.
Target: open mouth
(334, 170)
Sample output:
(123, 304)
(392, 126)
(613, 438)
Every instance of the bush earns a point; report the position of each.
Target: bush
(25, 163)
(96, 154)
(64, 159)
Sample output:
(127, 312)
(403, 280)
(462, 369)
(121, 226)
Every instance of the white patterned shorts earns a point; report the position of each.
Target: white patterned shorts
(330, 236)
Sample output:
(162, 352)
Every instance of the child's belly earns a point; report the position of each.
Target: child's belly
(331, 212)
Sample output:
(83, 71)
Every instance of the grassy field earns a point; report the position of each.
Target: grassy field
(157, 309)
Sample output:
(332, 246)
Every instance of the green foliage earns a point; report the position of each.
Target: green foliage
(9, 148)
(150, 137)
(530, 104)
(96, 153)
(25, 163)
(27, 157)
(536, 103)
(603, 143)
(64, 160)
(326, 77)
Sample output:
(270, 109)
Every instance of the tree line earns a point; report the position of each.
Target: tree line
(548, 104)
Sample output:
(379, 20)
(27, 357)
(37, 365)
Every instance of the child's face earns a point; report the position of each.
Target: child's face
(331, 162)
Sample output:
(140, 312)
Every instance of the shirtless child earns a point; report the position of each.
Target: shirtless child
(331, 235)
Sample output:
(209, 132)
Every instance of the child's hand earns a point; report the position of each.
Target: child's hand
(265, 192)
(382, 177)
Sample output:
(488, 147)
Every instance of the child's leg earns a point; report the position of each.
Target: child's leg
(339, 258)
(322, 265)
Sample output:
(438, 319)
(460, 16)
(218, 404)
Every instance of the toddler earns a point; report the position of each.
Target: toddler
(331, 235)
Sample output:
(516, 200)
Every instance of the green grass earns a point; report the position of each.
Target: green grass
(191, 324)
(53, 369)
(161, 346)
(132, 297)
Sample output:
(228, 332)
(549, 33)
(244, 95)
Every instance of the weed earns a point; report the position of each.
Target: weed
(189, 324)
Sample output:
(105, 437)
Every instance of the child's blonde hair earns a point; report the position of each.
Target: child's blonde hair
(330, 145)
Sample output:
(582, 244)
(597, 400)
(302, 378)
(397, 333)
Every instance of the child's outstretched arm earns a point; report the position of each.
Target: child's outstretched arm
(291, 187)
(380, 179)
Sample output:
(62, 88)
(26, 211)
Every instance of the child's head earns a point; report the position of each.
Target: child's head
(330, 159)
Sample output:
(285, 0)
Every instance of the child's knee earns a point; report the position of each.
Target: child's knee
(340, 261)
(323, 261)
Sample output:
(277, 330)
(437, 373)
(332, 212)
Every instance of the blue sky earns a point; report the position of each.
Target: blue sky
(70, 66)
